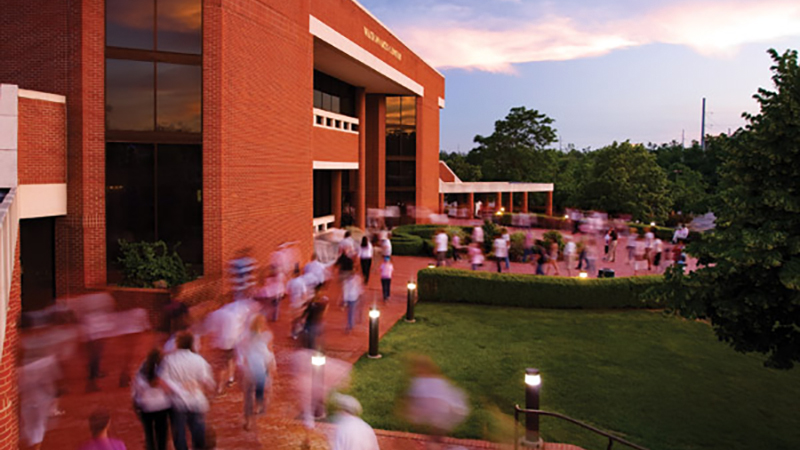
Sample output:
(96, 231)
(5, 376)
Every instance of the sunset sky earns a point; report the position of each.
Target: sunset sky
(605, 70)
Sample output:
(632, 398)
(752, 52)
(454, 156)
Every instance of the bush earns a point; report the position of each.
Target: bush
(531, 291)
(517, 250)
(144, 263)
(553, 236)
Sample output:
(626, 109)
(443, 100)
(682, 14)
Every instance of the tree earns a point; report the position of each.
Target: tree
(751, 293)
(458, 163)
(626, 179)
(514, 151)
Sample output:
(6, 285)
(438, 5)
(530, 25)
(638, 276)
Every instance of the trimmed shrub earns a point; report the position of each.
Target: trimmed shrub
(517, 250)
(146, 263)
(531, 291)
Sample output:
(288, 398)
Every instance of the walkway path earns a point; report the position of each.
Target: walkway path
(278, 429)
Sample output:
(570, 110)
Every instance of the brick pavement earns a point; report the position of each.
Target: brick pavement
(277, 429)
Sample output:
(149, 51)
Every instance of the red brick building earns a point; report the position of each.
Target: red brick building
(216, 124)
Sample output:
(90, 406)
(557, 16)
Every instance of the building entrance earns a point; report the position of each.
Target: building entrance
(37, 259)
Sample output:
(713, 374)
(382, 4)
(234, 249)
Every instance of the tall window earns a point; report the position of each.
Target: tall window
(153, 96)
(334, 95)
(401, 150)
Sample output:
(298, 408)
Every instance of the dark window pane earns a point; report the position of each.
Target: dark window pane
(335, 105)
(317, 99)
(180, 26)
(129, 197)
(129, 24)
(326, 101)
(401, 174)
(180, 90)
(129, 95)
(180, 200)
(322, 193)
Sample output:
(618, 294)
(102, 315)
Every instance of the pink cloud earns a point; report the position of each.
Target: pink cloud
(710, 28)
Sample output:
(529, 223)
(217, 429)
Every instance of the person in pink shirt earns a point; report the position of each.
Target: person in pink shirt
(99, 423)
(387, 268)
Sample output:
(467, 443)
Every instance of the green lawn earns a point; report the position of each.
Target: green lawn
(661, 382)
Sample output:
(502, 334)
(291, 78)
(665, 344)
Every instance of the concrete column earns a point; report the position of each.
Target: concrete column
(499, 201)
(375, 135)
(549, 207)
(471, 205)
(510, 207)
(525, 202)
(336, 197)
(361, 191)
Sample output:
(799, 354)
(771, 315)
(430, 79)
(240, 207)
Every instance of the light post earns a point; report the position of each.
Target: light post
(583, 275)
(317, 385)
(532, 383)
(374, 318)
(412, 287)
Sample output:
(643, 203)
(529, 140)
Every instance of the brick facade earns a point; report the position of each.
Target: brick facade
(9, 398)
(42, 142)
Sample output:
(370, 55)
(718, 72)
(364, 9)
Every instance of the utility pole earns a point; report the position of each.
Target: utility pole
(703, 127)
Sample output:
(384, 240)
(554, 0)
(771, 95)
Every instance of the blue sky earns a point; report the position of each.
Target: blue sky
(604, 70)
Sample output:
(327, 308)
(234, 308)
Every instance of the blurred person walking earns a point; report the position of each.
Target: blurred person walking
(188, 377)
(351, 432)
(99, 423)
(441, 244)
(500, 250)
(630, 244)
(352, 289)
(37, 396)
(639, 255)
(151, 402)
(649, 239)
(386, 269)
(257, 367)
(658, 248)
(475, 255)
(271, 292)
(507, 238)
(477, 235)
(365, 253)
(569, 254)
(552, 257)
(612, 248)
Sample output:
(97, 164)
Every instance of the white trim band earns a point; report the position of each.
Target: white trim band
(441, 103)
(334, 121)
(42, 200)
(36, 95)
(319, 29)
(335, 165)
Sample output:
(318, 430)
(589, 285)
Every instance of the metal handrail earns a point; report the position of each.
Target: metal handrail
(611, 438)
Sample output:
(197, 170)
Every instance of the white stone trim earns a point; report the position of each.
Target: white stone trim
(42, 200)
(321, 224)
(393, 35)
(334, 121)
(36, 95)
(441, 103)
(482, 187)
(335, 165)
(353, 50)
(9, 130)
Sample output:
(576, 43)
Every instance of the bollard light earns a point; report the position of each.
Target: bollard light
(412, 289)
(583, 275)
(374, 318)
(566, 217)
(431, 266)
(317, 385)
(652, 224)
(533, 382)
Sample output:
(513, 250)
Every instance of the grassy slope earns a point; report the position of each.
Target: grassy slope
(664, 383)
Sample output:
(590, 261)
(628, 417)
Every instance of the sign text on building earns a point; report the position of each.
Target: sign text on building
(384, 45)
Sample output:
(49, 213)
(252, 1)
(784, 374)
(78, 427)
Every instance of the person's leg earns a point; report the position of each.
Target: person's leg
(197, 426)
(508, 263)
(248, 390)
(178, 423)
(385, 287)
(499, 262)
(365, 266)
(351, 314)
(148, 422)
(259, 393)
(161, 427)
(276, 306)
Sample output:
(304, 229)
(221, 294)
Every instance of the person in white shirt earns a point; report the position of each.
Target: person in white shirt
(297, 289)
(386, 246)
(570, 250)
(477, 235)
(151, 402)
(351, 293)
(658, 247)
(365, 253)
(351, 432)
(639, 253)
(188, 377)
(441, 242)
(648, 247)
(456, 247)
(507, 238)
(316, 270)
(257, 366)
(271, 292)
(500, 249)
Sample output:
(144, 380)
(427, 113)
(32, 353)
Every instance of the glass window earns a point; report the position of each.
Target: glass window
(392, 111)
(130, 195)
(180, 90)
(335, 105)
(129, 24)
(129, 95)
(323, 180)
(401, 174)
(317, 99)
(179, 189)
(180, 26)
(408, 115)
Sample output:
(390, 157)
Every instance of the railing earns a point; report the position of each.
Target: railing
(9, 226)
(321, 224)
(611, 438)
(333, 121)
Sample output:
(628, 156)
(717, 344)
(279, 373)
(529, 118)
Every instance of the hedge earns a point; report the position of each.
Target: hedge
(532, 291)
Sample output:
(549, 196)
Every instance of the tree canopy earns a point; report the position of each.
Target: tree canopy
(751, 292)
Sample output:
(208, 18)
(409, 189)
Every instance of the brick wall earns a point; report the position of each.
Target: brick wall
(333, 145)
(42, 144)
(9, 398)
